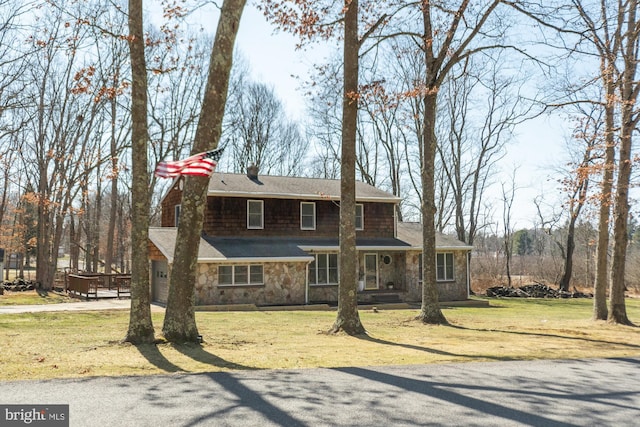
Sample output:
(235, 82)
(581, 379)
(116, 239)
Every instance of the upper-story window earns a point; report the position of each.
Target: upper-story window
(359, 217)
(255, 214)
(176, 217)
(307, 216)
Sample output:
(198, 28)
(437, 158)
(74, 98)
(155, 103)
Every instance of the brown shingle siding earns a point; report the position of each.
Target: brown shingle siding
(227, 216)
(378, 220)
(173, 198)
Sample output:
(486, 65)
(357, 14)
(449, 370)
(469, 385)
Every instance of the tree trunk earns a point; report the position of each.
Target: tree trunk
(617, 307)
(43, 236)
(74, 245)
(348, 319)
(179, 322)
(113, 207)
(568, 260)
(430, 310)
(96, 225)
(140, 323)
(600, 311)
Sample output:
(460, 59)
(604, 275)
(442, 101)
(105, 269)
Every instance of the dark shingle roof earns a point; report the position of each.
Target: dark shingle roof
(248, 249)
(223, 248)
(265, 186)
(411, 232)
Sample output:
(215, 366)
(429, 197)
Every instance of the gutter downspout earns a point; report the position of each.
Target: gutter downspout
(306, 285)
(468, 274)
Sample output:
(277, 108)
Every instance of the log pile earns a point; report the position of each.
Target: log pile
(534, 290)
(18, 285)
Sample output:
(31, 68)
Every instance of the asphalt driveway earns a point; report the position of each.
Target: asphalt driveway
(595, 392)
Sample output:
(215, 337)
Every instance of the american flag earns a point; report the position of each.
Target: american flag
(201, 164)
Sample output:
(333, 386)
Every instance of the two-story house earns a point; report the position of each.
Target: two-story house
(272, 240)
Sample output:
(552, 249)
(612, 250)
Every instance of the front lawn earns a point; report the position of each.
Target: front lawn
(77, 344)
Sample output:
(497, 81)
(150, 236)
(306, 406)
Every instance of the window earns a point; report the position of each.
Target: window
(359, 217)
(225, 275)
(323, 270)
(444, 266)
(176, 216)
(252, 274)
(255, 216)
(307, 216)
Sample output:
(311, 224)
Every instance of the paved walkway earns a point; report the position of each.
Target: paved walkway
(101, 304)
(125, 304)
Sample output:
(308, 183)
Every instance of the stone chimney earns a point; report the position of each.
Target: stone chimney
(252, 171)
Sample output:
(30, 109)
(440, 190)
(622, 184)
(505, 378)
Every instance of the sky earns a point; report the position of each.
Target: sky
(536, 150)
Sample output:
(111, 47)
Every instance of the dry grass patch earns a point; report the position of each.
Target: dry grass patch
(77, 344)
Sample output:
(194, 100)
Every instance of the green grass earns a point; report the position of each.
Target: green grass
(78, 344)
(33, 298)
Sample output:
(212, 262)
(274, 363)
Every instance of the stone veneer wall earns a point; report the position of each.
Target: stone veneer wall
(284, 284)
(323, 294)
(413, 284)
(455, 290)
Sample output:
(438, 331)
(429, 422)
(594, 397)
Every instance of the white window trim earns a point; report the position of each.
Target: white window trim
(176, 214)
(362, 221)
(313, 227)
(233, 275)
(261, 226)
(328, 283)
(453, 270)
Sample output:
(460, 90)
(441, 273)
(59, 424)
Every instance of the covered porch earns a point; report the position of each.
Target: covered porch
(385, 275)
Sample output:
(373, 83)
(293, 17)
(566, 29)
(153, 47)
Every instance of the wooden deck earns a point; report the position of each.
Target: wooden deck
(98, 285)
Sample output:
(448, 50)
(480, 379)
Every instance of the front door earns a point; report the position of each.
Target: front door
(371, 271)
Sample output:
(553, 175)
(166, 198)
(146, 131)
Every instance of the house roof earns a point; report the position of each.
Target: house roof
(411, 232)
(230, 248)
(266, 186)
(261, 249)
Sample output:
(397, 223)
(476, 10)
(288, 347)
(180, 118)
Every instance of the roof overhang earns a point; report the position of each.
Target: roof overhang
(249, 260)
(265, 249)
(358, 247)
(295, 196)
(454, 248)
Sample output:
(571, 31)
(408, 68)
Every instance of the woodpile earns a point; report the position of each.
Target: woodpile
(534, 290)
(19, 285)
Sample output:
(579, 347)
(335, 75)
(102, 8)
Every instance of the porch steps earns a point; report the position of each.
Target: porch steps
(385, 298)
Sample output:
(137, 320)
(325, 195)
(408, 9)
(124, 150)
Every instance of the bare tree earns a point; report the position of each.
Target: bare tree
(445, 40)
(179, 322)
(607, 31)
(140, 323)
(508, 196)
(347, 317)
(114, 86)
(64, 117)
(483, 108)
(259, 132)
(629, 88)
(576, 186)
(176, 85)
(324, 126)
(318, 19)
